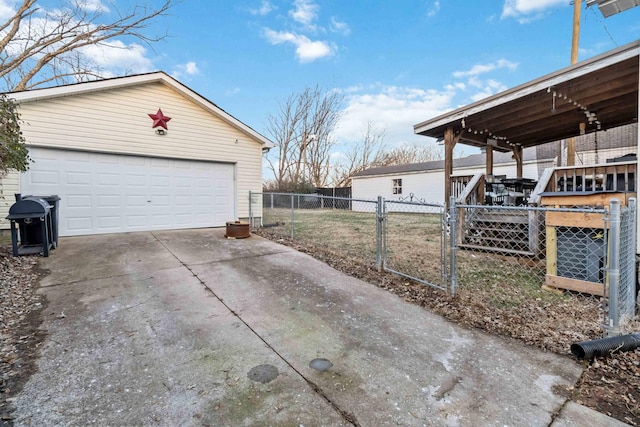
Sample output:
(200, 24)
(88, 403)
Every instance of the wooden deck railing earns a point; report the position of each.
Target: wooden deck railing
(619, 177)
(459, 183)
(472, 192)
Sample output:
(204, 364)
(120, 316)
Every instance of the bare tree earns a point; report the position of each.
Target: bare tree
(302, 130)
(40, 47)
(409, 153)
(364, 155)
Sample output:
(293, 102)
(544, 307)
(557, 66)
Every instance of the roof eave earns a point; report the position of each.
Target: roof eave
(576, 70)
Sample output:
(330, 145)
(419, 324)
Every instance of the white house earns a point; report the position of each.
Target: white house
(425, 181)
(135, 153)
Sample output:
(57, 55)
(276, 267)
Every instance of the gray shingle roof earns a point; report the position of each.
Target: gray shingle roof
(623, 136)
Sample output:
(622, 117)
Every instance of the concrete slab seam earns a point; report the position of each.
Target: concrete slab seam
(557, 413)
(227, 260)
(115, 276)
(347, 416)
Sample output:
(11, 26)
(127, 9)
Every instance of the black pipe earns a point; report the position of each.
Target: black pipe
(605, 346)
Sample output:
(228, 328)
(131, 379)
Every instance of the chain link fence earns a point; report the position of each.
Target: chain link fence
(338, 224)
(621, 270)
(509, 258)
(414, 245)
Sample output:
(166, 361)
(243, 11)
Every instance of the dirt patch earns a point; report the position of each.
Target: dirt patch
(20, 319)
(551, 322)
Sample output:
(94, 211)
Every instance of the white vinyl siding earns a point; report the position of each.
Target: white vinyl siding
(427, 186)
(9, 186)
(117, 121)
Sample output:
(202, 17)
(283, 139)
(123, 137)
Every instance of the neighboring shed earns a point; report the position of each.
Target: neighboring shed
(425, 181)
(135, 153)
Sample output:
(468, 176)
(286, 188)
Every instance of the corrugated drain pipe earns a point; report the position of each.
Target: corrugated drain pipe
(605, 346)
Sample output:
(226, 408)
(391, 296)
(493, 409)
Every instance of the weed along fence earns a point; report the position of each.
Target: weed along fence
(509, 254)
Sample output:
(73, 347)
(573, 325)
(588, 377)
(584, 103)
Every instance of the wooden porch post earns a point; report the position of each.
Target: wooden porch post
(517, 154)
(638, 177)
(449, 144)
(489, 162)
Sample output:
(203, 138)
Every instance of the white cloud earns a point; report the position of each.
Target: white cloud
(307, 50)
(116, 58)
(232, 91)
(6, 10)
(91, 6)
(189, 69)
(393, 108)
(339, 27)
(528, 10)
(485, 68)
(490, 87)
(264, 9)
(304, 12)
(434, 8)
(483, 87)
(192, 68)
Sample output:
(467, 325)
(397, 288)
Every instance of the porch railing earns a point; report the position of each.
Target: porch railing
(619, 177)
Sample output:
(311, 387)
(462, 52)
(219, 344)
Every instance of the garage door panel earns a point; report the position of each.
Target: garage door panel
(78, 225)
(109, 179)
(108, 201)
(135, 180)
(78, 178)
(133, 221)
(46, 177)
(103, 193)
(77, 201)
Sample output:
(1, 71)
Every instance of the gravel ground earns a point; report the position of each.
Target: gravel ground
(610, 385)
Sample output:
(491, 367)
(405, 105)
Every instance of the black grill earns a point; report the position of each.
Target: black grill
(35, 231)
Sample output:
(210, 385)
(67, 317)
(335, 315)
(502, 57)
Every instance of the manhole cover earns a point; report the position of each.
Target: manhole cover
(263, 373)
(320, 364)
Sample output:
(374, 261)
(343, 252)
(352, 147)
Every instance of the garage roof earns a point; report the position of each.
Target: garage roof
(120, 82)
(601, 92)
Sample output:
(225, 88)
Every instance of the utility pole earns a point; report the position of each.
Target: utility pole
(575, 41)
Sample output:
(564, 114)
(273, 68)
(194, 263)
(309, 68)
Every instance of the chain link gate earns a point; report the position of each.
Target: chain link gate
(414, 241)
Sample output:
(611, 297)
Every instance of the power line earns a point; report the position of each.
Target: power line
(603, 25)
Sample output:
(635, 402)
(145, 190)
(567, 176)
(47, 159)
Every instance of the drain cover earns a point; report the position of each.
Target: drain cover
(320, 364)
(263, 373)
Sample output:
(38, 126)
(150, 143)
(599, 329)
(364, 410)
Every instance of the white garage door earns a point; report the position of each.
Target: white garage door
(105, 193)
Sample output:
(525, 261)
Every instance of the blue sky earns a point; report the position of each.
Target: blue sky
(397, 62)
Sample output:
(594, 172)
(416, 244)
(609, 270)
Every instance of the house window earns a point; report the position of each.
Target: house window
(397, 186)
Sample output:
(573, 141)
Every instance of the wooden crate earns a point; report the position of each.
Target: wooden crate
(589, 220)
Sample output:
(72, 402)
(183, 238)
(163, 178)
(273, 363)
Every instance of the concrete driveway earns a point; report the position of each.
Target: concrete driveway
(188, 328)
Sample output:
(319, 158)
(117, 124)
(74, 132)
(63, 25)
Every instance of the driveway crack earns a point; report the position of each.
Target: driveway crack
(346, 415)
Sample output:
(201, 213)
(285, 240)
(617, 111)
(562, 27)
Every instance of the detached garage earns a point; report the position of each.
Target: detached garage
(136, 153)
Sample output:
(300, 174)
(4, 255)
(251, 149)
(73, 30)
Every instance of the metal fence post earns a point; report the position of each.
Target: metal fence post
(250, 209)
(271, 200)
(453, 221)
(292, 216)
(614, 268)
(632, 249)
(379, 231)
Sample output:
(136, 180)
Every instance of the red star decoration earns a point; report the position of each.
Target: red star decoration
(159, 119)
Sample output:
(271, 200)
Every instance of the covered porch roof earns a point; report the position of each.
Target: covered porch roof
(594, 94)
